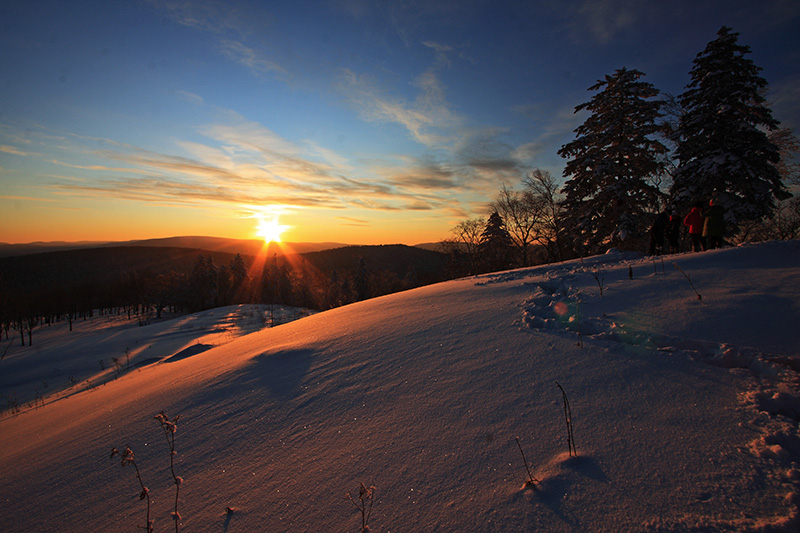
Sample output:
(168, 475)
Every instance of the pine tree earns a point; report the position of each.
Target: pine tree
(495, 245)
(203, 283)
(361, 280)
(724, 151)
(238, 270)
(609, 197)
(239, 280)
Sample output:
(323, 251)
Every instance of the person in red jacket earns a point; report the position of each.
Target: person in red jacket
(694, 221)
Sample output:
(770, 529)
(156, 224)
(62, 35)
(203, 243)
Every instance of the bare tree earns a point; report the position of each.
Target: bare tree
(521, 213)
(543, 193)
(789, 149)
(783, 224)
(466, 240)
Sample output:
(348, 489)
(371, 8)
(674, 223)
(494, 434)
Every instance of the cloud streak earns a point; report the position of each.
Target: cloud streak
(245, 164)
(250, 58)
(426, 119)
(13, 150)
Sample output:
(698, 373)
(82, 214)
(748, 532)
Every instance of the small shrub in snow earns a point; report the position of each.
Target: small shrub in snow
(599, 278)
(38, 400)
(578, 320)
(127, 458)
(5, 350)
(117, 367)
(12, 404)
(699, 297)
(170, 427)
(364, 505)
(655, 264)
(531, 481)
(568, 417)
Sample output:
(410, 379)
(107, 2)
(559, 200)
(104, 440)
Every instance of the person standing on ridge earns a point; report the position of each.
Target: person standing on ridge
(694, 221)
(713, 225)
(657, 233)
(674, 232)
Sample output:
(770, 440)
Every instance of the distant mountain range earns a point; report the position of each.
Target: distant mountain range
(252, 247)
(212, 244)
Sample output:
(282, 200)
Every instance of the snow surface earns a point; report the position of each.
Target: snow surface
(685, 409)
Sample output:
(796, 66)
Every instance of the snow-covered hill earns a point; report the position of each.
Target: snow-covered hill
(685, 411)
(104, 347)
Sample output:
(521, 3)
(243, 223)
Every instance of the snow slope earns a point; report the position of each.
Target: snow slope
(103, 347)
(685, 411)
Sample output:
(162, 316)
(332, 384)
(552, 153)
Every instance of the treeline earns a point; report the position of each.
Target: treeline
(142, 283)
(315, 280)
(641, 153)
(525, 228)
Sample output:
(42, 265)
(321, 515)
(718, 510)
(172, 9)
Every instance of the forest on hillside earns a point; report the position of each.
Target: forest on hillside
(143, 282)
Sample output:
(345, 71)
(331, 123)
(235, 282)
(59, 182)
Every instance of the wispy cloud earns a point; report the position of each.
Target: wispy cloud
(605, 19)
(554, 127)
(215, 16)
(598, 20)
(233, 25)
(251, 58)
(190, 97)
(244, 164)
(171, 192)
(14, 150)
(374, 106)
(443, 52)
(485, 152)
(424, 177)
(428, 118)
(351, 221)
(28, 198)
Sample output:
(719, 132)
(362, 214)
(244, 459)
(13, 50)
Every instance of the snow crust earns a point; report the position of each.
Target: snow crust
(685, 408)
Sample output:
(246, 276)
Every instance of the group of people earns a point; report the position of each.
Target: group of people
(706, 227)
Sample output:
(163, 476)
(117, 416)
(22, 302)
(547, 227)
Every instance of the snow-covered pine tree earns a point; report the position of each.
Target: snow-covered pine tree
(724, 151)
(609, 198)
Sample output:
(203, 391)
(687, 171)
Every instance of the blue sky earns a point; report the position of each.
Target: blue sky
(349, 121)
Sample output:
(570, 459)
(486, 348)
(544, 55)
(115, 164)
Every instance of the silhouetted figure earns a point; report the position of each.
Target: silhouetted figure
(657, 233)
(694, 221)
(713, 225)
(674, 232)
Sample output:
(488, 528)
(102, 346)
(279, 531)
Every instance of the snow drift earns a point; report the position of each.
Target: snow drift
(682, 384)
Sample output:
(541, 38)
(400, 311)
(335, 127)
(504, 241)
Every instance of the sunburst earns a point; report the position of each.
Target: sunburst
(270, 229)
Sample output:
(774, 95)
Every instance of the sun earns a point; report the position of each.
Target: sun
(270, 229)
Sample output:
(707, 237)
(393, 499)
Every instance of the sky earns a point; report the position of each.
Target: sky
(344, 120)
